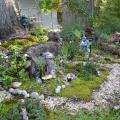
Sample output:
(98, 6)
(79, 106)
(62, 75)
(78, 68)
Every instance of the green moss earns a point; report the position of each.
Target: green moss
(76, 91)
(30, 41)
(5, 107)
(81, 88)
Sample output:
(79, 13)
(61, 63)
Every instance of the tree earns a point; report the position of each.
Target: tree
(108, 20)
(8, 18)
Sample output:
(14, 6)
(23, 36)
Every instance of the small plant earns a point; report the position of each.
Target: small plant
(69, 30)
(38, 32)
(33, 107)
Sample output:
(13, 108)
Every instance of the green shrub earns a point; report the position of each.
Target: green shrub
(33, 107)
(69, 51)
(74, 30)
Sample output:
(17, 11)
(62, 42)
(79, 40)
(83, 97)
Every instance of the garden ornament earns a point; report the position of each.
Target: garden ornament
(85, 44)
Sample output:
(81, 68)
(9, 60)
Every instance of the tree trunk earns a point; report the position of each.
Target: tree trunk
(8, 18)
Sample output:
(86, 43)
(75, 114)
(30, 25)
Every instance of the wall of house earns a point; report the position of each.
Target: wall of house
(29, 9)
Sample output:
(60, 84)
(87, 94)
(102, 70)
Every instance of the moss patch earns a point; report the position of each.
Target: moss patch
(30, 41)
(82, 89)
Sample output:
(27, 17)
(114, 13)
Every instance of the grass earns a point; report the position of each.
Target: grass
(5, 107)
(84, 115)
(48, 87)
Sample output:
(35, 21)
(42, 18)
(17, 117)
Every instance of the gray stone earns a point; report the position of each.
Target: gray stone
(54, 36)
(58, 89)
(19, 92)
(34, 95)
(25, 94)
(69, 77)
(38, 80)
(1, 88)
(36, 51)
(24, 114)
(48, 55)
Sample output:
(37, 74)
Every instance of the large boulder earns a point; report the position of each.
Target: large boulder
(36, 51)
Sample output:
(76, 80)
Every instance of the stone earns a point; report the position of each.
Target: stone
(38, 80)
(36, 51)
(24, 114)
(84, 63)
(19, 92)
(42, 97)
(63, 86)
(54, 36)
(16, 84)
(5, 96)
(117, 107)
(98, 73)
(34, 95)
(58, 89)
(11, 90)
(1, 88)
(48, 55)
(25, 94)
(47, 77)
(70, 76)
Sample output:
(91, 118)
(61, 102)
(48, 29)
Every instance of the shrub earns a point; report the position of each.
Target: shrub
(33, 107)
(68, 30)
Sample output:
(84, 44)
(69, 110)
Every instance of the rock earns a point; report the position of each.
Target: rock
(4, 96)
(54, 36)
(38, 80)
(42, 97)
(19, 92)
(47, 77)
(34, 95)
(84, 63)
(11, 90)
(58, 89)
(22, 100)
(1, 88)
(16, 84)
(69, 77)
(63, 86)
(25, 94)
(24, 114)
(36, 51)
(117, 107)
(48, 55)
(98, 73)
